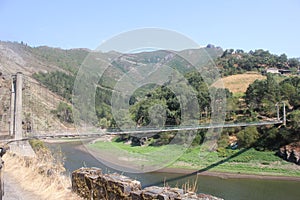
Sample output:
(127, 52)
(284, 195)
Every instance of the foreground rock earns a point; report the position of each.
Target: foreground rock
(290, 152)
(90, 183)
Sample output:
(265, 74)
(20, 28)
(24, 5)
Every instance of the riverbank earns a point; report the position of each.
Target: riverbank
(248, 164)
(243, 163)
(64, 140)
(227, 175)
(76, 156)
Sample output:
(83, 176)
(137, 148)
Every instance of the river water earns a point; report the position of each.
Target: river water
(232, 189)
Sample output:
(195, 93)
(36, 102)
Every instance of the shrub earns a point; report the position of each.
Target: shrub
(37, 145)
(248, 136)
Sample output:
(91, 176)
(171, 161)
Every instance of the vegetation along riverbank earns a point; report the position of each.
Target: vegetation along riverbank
(229, 163)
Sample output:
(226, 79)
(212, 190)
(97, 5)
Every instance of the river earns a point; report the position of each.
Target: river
(232, 189)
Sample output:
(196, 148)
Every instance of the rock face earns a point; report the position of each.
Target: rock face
(290, 152)
(90, 183)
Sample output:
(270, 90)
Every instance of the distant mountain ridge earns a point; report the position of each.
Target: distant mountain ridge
(56, 69)
(16, 57)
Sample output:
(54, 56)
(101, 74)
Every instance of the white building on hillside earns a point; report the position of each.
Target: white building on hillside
(272, 71)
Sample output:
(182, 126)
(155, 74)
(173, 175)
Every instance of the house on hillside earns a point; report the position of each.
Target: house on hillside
(272, 71)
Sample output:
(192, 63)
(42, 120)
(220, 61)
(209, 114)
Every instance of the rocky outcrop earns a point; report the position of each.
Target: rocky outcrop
(91, 183)
(290, 152)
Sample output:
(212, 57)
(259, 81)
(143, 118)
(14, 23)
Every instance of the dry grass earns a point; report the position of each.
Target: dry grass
(41, 175)
(191, 187)
(239, 83)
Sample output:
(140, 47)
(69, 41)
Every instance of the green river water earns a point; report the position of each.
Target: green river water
(232, 189)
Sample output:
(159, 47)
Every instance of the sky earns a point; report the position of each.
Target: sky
(257, 24)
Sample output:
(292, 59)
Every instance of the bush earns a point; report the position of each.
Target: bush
(248, 136)
(37, 145)
(64, 112)
(103, 123)
(223, 142)
(222, 152)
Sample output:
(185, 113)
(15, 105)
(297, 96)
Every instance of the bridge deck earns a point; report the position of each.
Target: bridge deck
(146, 130)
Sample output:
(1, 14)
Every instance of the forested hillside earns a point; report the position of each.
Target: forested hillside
(56, 69)
(62, 83)
(237, 61)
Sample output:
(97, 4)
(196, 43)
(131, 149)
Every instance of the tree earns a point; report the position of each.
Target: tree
(283, 58)
(227, 52)
(263, 95)
(248, 136)
(123, 120)
(293, 63)
(64, 112)
(287, 91)
(103, 123)
(270, 139)
(239, 51)
(254, 94)
(290, 90)
(294, 120)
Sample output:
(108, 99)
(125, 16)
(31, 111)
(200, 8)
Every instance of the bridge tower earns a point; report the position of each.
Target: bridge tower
(16, 106)
(284, 114)
(12, 107)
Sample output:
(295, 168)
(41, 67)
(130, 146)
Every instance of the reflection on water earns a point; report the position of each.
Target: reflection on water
(233, 189)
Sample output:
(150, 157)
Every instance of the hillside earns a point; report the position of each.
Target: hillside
(15, 57)
(38, 106)
(55, 69)
(5, 85)
(50, 74)
(38, 101)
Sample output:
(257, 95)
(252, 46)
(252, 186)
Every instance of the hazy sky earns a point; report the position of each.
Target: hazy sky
(268, 24)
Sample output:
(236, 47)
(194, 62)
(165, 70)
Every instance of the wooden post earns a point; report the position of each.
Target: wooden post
(18, 106)
(12, 108)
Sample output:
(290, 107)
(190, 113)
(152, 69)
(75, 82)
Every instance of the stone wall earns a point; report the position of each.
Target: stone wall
(91, 183)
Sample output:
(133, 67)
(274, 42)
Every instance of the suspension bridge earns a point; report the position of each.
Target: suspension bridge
(25, 112)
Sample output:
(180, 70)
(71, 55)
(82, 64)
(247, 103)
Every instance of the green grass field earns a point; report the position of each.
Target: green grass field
(245, 161)
(249, 161)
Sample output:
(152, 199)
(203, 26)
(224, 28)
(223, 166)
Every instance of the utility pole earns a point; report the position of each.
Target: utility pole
(284, 114)
(18, 106)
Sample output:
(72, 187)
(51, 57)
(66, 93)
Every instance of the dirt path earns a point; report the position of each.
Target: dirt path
(13, 191)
